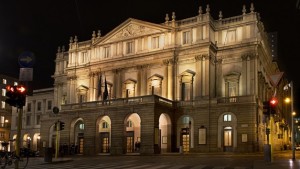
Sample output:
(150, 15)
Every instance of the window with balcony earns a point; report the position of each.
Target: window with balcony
(155, 85)
(232, 86)
(187, 79)
(129, 88)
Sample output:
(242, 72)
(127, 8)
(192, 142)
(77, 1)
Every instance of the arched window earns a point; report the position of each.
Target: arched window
(105, 125)
(129, 123)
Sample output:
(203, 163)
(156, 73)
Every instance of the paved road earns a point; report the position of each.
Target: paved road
(281, 160)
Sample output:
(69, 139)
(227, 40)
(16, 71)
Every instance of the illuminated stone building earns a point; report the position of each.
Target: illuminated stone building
(6, 109)
(39, 104)
(190, 85)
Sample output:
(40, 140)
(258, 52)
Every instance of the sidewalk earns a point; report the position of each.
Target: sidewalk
(278, 164)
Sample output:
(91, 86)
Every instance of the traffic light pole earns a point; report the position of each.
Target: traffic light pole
(57, 139)
(18, 140)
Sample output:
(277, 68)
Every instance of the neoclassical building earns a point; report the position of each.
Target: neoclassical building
(190, 85)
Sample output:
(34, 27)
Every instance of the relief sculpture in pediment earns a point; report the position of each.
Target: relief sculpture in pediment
(132, 30)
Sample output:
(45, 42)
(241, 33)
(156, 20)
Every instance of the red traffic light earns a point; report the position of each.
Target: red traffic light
(273, 101)
(10, 88)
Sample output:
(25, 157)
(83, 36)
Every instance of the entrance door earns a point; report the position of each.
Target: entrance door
(80, 143)
(228, 139)
(104, 142)
(185, 139)
(130, 142)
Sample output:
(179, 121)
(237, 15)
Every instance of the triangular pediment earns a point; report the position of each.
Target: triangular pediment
(132, 28)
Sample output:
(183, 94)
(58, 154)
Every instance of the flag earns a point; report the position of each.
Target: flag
(99, 85)
(105, 93)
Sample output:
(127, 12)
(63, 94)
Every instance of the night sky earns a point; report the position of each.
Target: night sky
(41, 26)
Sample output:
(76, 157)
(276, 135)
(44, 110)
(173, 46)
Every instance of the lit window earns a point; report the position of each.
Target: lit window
(155, 42)
(81, 126)
(4, 81)
(227, 117)
(105, 125)
(129, 123)
(129, 47)
(186, 37)
(2, 121)
(3, 104)
(106, 52)
(15, 83)
(3, 92)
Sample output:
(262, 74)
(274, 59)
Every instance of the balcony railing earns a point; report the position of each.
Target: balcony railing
(119, 102)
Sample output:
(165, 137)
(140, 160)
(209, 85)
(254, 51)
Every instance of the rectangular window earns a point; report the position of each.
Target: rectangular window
(38, 119)
(28, 107)
(4, 81)
(227, 117)
(186, 36)
(15, 83)
(49, 105)
(3, 104)
(155, 42)
(28, 120)
(231, 36)
(2, 121)
(106, 52)
(39, 106)
(129, 47)
(3, 92)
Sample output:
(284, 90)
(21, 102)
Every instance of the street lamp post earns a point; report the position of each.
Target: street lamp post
(290, 85)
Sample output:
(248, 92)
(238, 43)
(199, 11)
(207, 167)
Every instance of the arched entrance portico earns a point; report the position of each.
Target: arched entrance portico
(133, 133)
(103, 134)
(165, 132)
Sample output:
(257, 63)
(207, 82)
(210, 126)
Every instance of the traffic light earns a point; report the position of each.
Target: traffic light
(11, 93)
(16, 96)
(61, 125)
(273, 105)
(266, 107)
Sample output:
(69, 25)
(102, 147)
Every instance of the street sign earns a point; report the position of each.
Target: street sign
(26, 59)
(26, 74)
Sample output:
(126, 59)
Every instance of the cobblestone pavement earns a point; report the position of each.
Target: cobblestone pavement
(281, 160)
